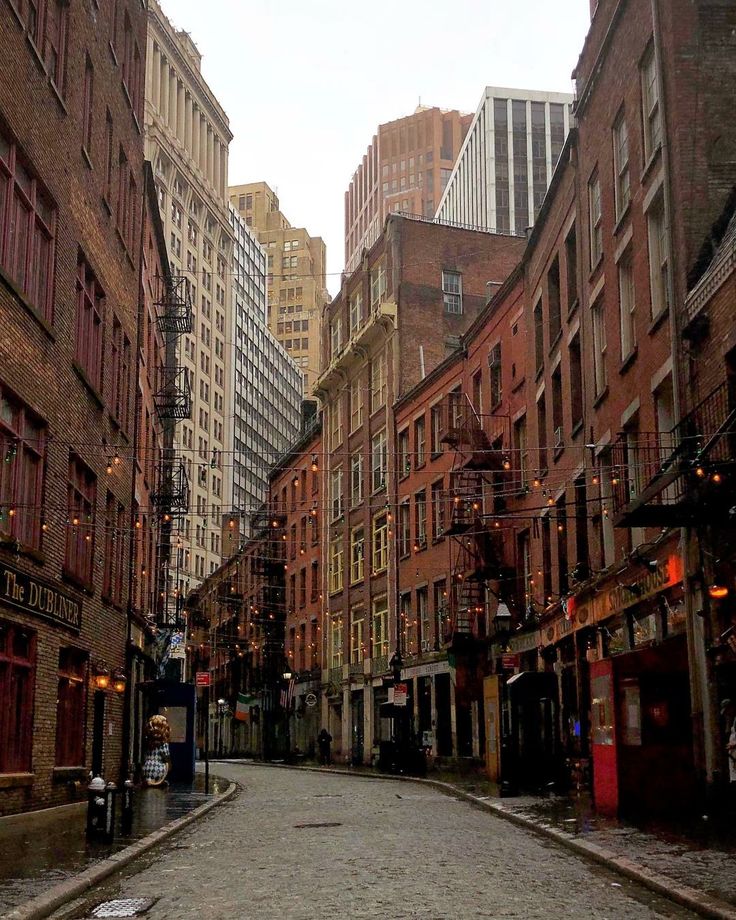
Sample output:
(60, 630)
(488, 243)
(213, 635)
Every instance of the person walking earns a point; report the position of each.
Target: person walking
(324, 740)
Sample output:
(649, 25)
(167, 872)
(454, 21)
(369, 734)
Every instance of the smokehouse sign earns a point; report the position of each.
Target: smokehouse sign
(39, 598)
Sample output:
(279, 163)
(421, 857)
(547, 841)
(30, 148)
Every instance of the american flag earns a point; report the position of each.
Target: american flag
(287, 694)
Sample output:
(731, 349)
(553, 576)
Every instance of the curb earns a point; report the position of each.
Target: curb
(698, 901)
(60, 894)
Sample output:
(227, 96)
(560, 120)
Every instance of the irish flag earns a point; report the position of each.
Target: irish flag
(242, 707)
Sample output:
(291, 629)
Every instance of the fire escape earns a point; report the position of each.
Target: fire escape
(173, 403)
(476, 551)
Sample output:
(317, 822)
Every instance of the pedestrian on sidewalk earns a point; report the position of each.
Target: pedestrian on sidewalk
(324, 740)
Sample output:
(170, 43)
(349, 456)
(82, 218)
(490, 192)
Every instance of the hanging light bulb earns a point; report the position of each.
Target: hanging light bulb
(108, 468)
(116, 459)
(315, 465)
(506, 463)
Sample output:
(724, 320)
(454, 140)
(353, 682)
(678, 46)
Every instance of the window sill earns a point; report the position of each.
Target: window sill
(59, 97)
(436, 540)
(109, 602)
(519, 384)
(538, 373)
(20, 549)
(73, 579)
(576, 429)
(42, 322)
(628, 360)
(557, 452)
(16, 780)
(595, 267)
(621, 220)
(37, 55)
(572, 309)
(112, 52)
(86, 157)
(658, 320)
(435, 454)
(68, 774)
(556, 341)
(106, 205)
(420, 466)
(89, 385)
(600, 397)
(649, 165)
(379, 572)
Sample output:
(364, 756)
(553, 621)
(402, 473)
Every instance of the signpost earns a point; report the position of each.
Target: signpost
(400, 692)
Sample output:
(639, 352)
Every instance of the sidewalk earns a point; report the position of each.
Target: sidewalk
(36, 855)
(693, 865)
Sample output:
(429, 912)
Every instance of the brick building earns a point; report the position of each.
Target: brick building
(71, 187)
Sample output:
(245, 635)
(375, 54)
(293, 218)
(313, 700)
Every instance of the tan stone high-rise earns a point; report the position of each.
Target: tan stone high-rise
(406, 168)
(296, 275)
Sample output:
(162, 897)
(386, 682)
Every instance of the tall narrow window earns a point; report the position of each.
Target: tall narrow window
(425, 630)
(336, 640)
(356, 404)
(599, 347)
(658, 258)
(558, 435)
(404, 529)
(81, 496)
(17, 680)
(87, 106)
(378, 382)
(379, 460)
(582, 549)
(337, 555)
(538, 336)
(553, 300)
(356, 479)
(595, 216)
(57, 15)
(419, 442)
(357, 621)
(420, 519)
(562, 564)
(521, 460)
(22, 452)
(652, 116)
(380, 542)
(576, 382)
(496, 379)
(571, 261)
(542, 432)
(90, 305)
(402, 453)
(380, 627)
(357, 554)
(438, 510)
(336, 496)
(435, 430)
(70, 708)
(627, 302)
(622, 179)
(452, 291)
(109, 154)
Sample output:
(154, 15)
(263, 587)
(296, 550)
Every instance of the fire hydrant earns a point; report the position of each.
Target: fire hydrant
(96, 807)
(109, 830)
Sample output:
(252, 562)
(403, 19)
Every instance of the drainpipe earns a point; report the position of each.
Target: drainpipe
(703, 702)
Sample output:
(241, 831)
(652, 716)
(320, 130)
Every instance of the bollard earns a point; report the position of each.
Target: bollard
(109, 826)
(96, 807)
(126, 821)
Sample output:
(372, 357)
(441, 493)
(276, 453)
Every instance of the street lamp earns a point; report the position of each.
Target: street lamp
(502, 624)
(221, 709)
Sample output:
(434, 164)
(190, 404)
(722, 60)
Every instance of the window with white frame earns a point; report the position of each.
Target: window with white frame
(402, 453)
(357, 554)
(336, 640)
(355, 311)
(357, 625)
(337, 561)
(335, 336)
(378, 381)
(379, 644)
(599, 347)
(651, 113)
(336, 423)
(622, 177)
(356, 404)
(627, 304)
(596, 220)
(380, 542)
(379, 460)
(435, 430)
(420, 519)
(378, 284)
(658, 257)
(452, 291)
(423, 617)
(336, 498)
(356, 478)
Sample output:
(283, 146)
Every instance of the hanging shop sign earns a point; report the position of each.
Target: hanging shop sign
(311, 699)
(615, 599)
(18, 589)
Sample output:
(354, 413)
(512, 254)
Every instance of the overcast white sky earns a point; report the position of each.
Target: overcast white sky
(306, 84)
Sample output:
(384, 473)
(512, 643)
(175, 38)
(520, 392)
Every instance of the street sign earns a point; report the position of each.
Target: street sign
(311, 699)
(400, 691)
(509, 662)
(202, 679)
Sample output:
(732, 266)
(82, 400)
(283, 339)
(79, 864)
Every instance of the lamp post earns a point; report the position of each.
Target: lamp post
(288, 676)
(221, 710)
(396, 664)
(501, 633)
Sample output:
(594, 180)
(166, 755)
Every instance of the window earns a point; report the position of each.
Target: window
(71, 708)
(357, 622)
(576, 382)
(379, 460)
(57, 14)
(542, 432)
(22, 453)
(17, 679)
(420, 520)
(81, 494)
(380, 542)
(558, 439)
(378, 382)
(404, 529)
(452, 291)
(520, 453)
(90, 305)
(335, 337)
(419, 442)
(622, 179)
(336, 499)
(356, 311)
(109, 153)
(599, 347)
(651, 114)
(478, 390)
(538, 336)
(119, 375)
(438, 511)
(357, 553)
(571, 261)
(113, 560)
(407, 622)
(337, 555)
(378, 284)
(402, 453)
(553, 301)
(425, 632)
(356, 404)
(596, 220)
(562, 565)
(27, 230)
(380, 627)
(439, 599)
(336, 641)
(658, 258)
(627, 305)
(87, 105)
(356, 479)
(336, 423)
(494, 366)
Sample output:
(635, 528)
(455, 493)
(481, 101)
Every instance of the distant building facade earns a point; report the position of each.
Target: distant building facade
(296, 278)
(406, 167)
(506, 163)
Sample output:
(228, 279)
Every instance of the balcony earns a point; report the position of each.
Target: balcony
(471, 435)
(174, 398)
(171, 496)
(681, 477)
(174, 307)
(375, 328)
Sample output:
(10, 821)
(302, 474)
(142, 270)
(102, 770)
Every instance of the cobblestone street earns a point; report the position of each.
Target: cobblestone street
(304, 845)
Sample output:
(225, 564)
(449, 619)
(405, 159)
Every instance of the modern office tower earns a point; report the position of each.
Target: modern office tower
(187, 137)
(507, 159)
(266, 386)
(405, 168)
(296, 275)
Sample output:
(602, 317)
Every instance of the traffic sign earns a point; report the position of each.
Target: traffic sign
(400, 691)
(202, 679)
(509, 662)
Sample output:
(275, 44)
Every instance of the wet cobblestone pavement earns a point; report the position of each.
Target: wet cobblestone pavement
(35, 857)
(301, 845)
